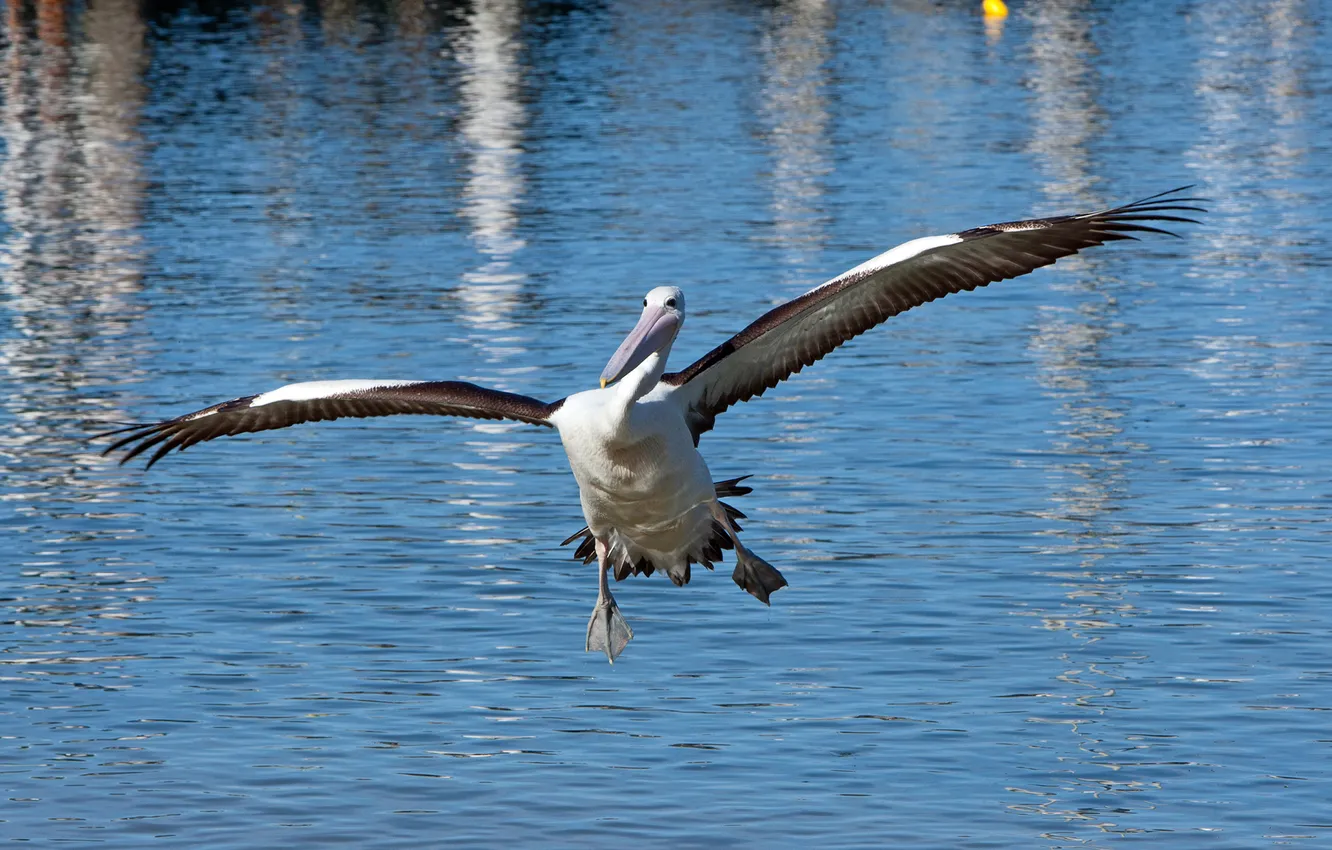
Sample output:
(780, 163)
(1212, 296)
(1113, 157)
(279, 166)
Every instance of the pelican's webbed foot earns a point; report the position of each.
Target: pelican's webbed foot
(606, 630)
(755, 575)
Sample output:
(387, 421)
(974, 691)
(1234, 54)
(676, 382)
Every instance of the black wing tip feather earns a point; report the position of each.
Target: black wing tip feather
(145, 436)
(134, 432)
(122, 428)
(1170, 198)
(1116, 222)
(1170, 195)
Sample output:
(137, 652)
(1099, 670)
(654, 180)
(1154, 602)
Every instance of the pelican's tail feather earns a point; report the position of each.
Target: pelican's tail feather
(586, 551)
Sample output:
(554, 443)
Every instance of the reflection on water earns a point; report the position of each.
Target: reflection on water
(1251, 81)
(1065, 113)
(412, 22)
(491, 127)
(1060, 545)
(1089, 457)
(72, 269)
(72, 192)
(796, 53)
(1069, 340)
(1250, 69)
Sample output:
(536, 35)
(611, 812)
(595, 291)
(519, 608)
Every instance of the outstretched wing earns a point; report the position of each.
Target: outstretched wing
(317, 401)
(805, 329)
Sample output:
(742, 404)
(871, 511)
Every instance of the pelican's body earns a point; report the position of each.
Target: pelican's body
(644, 487)
(646, 491)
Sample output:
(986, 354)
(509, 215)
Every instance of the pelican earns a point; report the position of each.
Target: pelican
(647, 495)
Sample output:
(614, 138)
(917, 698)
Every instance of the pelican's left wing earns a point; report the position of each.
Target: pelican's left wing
(317, 401)
(805, 329)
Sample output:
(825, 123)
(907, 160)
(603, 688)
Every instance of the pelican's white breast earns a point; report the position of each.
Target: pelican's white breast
(639, 476)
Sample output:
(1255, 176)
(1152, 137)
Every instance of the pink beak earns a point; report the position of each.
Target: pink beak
(655, 328)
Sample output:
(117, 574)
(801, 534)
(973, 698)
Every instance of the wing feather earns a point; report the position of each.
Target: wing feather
(802, 331)
(321, 401)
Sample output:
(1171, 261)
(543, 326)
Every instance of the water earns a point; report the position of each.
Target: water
(1057, 550)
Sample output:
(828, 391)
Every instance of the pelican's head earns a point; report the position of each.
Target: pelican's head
(663, 314)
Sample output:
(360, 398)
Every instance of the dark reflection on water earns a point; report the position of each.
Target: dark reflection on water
(1056, 549)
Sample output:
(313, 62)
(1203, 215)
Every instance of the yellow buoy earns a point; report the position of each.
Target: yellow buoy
(994, 9)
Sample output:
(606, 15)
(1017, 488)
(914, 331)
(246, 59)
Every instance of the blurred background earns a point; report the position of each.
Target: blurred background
(1057, 549)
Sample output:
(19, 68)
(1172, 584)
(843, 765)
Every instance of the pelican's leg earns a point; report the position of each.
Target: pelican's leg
(606, 631)
(754, 575)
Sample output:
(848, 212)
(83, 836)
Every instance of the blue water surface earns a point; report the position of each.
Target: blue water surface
(1058, 549)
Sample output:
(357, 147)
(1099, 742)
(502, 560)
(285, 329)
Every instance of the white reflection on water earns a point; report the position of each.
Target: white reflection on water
(72, 187)
(796, 52)
(1253, 89)
(1066, 120)
(1089, 456)
(793, 110)
(1251, 68)
(491, 127)
(71, 265)
(1065, 114)
(1255, 139)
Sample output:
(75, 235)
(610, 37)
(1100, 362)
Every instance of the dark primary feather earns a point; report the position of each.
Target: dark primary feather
(792, 336)
(239, 416)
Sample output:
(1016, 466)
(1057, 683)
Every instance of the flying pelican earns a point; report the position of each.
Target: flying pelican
(647, 495)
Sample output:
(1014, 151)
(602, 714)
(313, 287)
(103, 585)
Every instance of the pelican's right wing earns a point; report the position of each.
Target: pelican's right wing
(317, 401)
(795, 334)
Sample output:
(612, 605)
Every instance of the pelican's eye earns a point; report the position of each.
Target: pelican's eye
(670, 302)
(644, 302)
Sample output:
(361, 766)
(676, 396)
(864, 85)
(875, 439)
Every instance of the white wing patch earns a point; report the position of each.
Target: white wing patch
(892, 256)
(311, 390)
